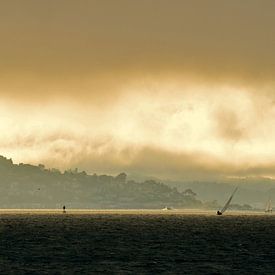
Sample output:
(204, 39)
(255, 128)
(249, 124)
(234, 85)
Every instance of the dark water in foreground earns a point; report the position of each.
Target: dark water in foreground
(137, 244)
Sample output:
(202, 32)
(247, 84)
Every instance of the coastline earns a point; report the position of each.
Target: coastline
(130, 212)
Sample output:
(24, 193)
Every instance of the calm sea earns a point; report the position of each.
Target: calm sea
(136, 244)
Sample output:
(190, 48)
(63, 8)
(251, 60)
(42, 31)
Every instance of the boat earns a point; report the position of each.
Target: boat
(167, 208)
(220, 212)
(268, 208)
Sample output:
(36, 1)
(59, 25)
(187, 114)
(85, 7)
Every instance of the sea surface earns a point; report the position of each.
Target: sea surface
(105, 243)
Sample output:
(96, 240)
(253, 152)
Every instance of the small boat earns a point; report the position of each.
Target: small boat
(167, 208)
(268, 208)
(219, 213)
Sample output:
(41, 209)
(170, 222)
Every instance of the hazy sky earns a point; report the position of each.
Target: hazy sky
(174, 89)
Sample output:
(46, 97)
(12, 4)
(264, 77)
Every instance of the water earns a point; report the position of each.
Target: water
(136, 244)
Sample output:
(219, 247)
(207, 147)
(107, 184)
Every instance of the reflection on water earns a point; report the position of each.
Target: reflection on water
(140, 244)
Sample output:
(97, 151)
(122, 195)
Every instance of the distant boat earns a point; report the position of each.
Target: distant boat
(268, 208)
(227, 203)
(167, 208)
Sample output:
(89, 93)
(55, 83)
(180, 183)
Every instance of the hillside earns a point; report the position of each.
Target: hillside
(29, 186)
(251, 190)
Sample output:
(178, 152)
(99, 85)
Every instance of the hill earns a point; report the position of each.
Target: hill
(30, 186)
(254, 191)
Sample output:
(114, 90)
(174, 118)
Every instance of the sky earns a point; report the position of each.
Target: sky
(173, 89)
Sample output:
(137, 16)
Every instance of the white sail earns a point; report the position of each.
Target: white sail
(229, 200)
(268, 206)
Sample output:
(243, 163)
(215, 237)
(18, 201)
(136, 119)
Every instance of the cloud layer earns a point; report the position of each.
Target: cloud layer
(178, 89)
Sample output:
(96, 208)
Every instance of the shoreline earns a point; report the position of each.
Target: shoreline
(131, 212)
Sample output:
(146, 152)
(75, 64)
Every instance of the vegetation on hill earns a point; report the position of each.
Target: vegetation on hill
(29, 186)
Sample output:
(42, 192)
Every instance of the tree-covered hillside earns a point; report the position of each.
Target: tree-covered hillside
(29, 186)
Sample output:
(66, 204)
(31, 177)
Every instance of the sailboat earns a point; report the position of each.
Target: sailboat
(227, 203)
(268, 208)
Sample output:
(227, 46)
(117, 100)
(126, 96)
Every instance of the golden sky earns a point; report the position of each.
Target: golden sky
(174, 89)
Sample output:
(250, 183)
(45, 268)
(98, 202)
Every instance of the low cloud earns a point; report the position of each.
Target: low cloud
(229, 125)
